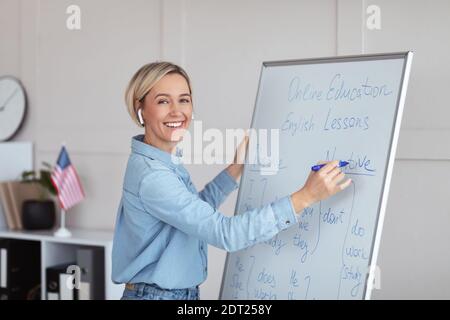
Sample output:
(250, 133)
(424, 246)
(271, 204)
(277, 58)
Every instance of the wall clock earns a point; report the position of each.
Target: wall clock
(13, 104)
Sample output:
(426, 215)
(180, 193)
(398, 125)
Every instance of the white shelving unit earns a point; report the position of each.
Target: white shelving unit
(63, 250)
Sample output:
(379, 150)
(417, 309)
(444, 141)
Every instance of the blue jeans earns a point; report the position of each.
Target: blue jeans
(144, 291)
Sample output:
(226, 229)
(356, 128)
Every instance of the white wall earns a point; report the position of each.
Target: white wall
(415, 249)
(75, 81)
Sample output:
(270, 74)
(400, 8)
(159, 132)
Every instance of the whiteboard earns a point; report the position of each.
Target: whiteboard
(340, 108)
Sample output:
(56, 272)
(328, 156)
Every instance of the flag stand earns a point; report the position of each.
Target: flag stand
(63, 232)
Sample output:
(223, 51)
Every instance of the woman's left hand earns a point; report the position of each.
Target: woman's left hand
(235, 169)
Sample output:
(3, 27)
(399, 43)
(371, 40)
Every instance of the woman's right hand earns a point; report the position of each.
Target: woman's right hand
(320, 185)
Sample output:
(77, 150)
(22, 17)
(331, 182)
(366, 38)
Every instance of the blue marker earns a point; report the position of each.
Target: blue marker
(320, 166)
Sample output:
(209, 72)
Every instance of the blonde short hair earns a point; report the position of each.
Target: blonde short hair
(144, 80)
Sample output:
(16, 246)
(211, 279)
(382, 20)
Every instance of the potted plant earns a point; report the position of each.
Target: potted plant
(38, 214)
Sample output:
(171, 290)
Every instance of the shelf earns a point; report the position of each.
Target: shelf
(79, 236)
(56, 250)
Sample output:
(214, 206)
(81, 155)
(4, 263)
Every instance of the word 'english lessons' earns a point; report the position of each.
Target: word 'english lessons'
(295, 124)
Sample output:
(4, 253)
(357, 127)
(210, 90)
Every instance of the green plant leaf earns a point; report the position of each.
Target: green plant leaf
(28, 176)
(44, 178)
(47, 182)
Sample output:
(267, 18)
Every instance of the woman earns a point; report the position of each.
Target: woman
(163, 224)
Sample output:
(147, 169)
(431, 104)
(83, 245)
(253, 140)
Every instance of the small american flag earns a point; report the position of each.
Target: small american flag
(65, 179)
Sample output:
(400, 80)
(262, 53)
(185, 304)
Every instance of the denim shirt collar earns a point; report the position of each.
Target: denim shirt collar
(139, 146)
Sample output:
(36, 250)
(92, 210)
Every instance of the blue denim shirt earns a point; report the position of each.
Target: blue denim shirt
(163, 224)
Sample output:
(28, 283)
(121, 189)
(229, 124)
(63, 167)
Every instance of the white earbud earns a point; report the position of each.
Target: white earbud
(141, 120)
(192, 116)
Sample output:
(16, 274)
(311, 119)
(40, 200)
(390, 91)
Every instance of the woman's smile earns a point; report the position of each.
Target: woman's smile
(175, 124)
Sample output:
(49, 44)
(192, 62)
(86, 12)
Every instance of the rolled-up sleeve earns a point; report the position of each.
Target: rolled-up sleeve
(218, 189)
(164, 196)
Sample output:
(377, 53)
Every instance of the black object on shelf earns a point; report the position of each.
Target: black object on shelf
(20, 274)
(38, 215)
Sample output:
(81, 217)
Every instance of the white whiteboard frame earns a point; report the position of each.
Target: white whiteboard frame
(407, 56)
